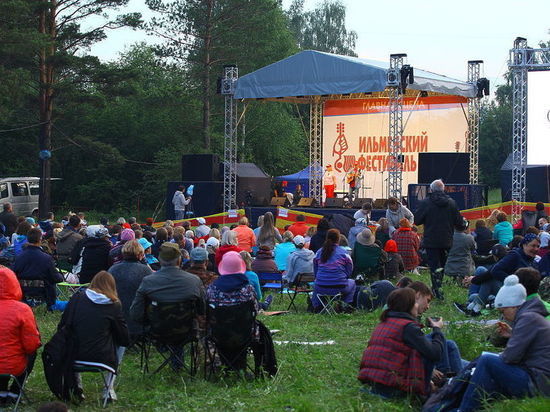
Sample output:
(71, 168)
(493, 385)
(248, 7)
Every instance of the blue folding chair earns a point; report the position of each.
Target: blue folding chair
(271, 280)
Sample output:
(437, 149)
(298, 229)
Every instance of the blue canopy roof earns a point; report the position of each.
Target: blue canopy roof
(313, 73)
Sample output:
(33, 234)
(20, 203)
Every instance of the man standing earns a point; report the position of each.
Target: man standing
(8, 219)
(439, 215)
(179, 201)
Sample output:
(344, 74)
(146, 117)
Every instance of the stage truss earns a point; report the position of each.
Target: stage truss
(231, 74)
(316, 149)
(522, 60)
(395, 173)
(474, 105)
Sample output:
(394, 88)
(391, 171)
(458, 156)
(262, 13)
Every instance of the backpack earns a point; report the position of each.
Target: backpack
(449, 397)
(58, 357)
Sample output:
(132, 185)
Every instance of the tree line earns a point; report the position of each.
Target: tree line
(116, 130)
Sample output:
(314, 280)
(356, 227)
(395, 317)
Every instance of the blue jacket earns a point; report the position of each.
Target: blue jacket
(514, 260)
(282, 251)
(335, 271)
(35, 264)
(503, 232)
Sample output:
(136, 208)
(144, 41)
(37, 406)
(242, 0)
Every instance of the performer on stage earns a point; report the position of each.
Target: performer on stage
(353, 179)
(329, 182)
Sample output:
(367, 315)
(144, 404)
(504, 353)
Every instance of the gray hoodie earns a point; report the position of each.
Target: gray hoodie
(299, 261)
(529, 345)
(395, 217)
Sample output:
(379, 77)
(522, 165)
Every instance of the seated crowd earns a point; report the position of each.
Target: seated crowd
(120, 271)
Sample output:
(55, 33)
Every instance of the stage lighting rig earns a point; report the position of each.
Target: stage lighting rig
(482, 87)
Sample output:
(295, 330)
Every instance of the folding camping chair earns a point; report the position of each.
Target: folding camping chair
(107, 375)
(271, 280)
(171, 328)
(328, 302)
(231, 336)
(20, 386)
(301, 285)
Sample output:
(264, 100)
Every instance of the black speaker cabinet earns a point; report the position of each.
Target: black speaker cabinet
(200, 167)
(380, 204)
(450, 167)
(334, 202)
(360, 201)
(279, 201)
(307, 202)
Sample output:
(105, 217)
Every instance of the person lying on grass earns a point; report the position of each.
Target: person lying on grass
(397, 358)
(523, 368)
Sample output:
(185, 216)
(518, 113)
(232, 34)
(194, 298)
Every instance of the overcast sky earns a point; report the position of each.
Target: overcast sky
(439, 36)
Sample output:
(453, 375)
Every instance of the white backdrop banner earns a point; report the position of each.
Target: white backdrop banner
(538, 118)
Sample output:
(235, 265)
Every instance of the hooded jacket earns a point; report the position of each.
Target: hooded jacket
(299, 261)
(95, 257)
(20, 337)
(66, 241)
(395, 216)
(264, 262)
(99, 326)
(529, 345)
(439, 215)
(353, 232)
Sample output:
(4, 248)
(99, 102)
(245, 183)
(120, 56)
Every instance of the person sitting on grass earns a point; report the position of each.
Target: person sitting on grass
(376, 294)
(530, 279)
(459, 261)
(333, 268)
(394, 264)
(491, 281)
(408, 244)
(523, 368)
(393, 363)
(368, 257)
(503, 231)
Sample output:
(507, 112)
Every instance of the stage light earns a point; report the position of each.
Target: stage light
(482, 87)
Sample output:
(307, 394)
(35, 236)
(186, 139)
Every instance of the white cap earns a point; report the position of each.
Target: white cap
(213, 242)
(511, 294)
(299, 240)
(201, 220)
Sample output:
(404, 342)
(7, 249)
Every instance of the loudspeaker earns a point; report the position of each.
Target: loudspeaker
(450, 167)
(307, 202)
(334, 202)
(380, 204)
(200, 167)
(279, 201)
(358, 202)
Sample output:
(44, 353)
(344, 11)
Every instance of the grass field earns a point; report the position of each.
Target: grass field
(310, 378)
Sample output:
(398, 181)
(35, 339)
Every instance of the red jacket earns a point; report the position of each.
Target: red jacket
(18, 331)
(223, 249)
(298, 228)
(391, 362)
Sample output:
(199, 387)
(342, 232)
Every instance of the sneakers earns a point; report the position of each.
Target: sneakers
(461, 308)
(268, 299)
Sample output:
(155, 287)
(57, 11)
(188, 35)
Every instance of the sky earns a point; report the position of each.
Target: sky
(439, 36)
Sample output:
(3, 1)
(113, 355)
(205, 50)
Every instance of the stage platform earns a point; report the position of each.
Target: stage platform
(254, 212)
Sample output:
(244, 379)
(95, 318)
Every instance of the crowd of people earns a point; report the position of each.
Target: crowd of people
(126, 266)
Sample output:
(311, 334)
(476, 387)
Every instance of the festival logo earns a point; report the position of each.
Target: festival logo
(340, 146)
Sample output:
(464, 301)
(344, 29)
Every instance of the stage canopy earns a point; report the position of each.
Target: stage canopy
(314, 73)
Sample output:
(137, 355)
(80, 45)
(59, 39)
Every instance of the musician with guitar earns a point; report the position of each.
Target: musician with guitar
(353, 179)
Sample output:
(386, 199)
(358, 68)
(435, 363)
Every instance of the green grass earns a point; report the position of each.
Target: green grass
(494, 196)
(310, 378)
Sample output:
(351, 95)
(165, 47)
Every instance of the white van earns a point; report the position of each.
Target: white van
(22, 193)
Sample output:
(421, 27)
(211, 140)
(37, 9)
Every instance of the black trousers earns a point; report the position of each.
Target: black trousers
(437, 257)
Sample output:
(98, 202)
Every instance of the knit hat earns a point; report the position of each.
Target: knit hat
(199, 254)
(201, 220)
(213, 242)
(391, 246)
(512, 293)
(145, 244)
(366, 237)
(231, 263)
(299, 240)
(169, 251)
(96, 231)
(127, 234)
(404, 222)
(31, 220)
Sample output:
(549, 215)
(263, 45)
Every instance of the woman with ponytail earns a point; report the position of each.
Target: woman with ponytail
(332, 266)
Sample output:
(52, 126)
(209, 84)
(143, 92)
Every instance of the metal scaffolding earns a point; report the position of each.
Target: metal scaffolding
(230, 75)
(522, 60)
(395, 163)
(474, 105)
(316, 148)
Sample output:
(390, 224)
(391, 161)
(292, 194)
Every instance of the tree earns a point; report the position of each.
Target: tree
(203, 35)
(59, 22)
(495, 135)
(323, 28)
